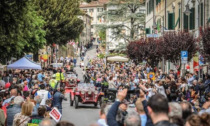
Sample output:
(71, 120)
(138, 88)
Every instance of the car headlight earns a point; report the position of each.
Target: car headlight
(82, 92)
(89, 92)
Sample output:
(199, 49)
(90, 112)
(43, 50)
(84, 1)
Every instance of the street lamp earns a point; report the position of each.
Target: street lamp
(187, 11)
(173, 7)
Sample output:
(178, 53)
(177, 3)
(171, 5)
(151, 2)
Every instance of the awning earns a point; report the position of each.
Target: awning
(24, 63)
(117, 59)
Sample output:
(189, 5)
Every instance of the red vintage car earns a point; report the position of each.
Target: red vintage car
(86, 94)
(71, 80)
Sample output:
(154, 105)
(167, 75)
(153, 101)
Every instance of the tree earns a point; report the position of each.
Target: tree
(205, 35)
(126, 17)
(20, 28)
(62, 23)
(175, 42)
(145, 50)
(102, 35)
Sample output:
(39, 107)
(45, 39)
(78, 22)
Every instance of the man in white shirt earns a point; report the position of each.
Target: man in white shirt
(44, 94)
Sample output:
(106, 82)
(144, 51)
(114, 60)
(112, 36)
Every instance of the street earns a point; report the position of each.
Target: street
(85, 114)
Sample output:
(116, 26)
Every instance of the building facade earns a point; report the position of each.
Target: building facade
(186, 15)
(163, 15)
(85, 36)
(94, 9)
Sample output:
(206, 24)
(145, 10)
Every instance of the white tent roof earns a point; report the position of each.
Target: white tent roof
(117, 59)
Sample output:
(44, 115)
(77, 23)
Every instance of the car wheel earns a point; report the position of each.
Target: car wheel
(95, 104)
(76, 102)
(71, 101)
(111, 96)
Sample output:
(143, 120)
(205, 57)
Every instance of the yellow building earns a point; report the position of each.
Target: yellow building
(164, 15)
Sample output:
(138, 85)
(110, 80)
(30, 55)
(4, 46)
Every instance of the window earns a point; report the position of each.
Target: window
(91, 26)
(171, 18)
(201, 15)
(147, 8)
(147, 30)
(151, 6)
(100, 9)
(185, 22)
(158, 1)
(91, 10)
(192, 18)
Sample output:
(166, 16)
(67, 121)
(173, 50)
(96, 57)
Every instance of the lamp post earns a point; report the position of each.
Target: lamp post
(187, 12)
(173, 7)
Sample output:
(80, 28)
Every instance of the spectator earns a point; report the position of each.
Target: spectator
(103, 113)
(58, 97)
(196, 120)
(122, 112)
(111, 116)
(13, 93)
(206, 105)
(47, 122)
(2, 116)
(40, 76)
(64, 123)
(140, 110)
(186, 110)
(14, 109)
(190, 80)
(22, 118)
(132, 119)
(44, 94)
(175, 113)
(158, 110)
(41, 114)
(48, 104)
(38, 100)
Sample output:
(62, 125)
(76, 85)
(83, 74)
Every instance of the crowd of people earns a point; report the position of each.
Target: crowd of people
(164, 100)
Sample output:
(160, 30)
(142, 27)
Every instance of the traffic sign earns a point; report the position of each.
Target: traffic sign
(184, 53)
(184, 57)
(151, 75)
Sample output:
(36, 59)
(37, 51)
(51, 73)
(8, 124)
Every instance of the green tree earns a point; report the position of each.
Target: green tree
(20, 28)
(62, 23)
(125, 17)
(102, 35)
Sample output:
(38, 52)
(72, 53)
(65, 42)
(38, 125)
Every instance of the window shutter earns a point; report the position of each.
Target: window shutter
(147, 30)
(201, 14)
(170, 21)
(192, 19)
(179, 18)
(185, 22)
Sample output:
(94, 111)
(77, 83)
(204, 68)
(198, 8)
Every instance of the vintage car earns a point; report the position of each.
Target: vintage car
(71, 80)
(86, 94)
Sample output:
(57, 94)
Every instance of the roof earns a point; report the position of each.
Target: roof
(99, 3)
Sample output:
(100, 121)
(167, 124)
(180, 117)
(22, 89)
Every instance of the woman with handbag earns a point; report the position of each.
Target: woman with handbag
(22, 118)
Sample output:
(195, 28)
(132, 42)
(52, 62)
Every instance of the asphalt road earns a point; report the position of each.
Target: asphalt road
(85, 114)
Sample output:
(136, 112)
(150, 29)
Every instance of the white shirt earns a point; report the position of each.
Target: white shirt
(161, 90)
(44, 96)
(150, 92)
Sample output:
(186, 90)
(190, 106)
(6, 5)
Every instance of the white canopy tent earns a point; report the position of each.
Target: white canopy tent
(117, 59)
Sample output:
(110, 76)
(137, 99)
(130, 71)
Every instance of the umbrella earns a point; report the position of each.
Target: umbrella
(117, 59)
(2, 83)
